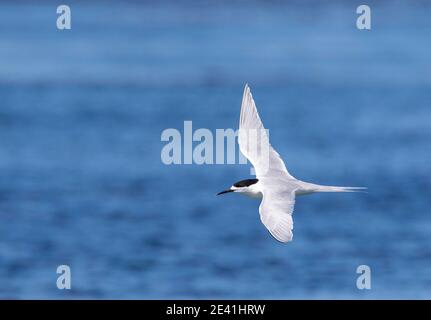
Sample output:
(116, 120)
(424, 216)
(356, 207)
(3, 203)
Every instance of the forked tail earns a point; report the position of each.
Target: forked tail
(319, 188)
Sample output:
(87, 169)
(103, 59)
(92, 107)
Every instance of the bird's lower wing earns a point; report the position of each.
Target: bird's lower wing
(276, 214)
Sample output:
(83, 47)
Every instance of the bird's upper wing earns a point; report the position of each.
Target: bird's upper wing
(276, 214)
(254, 143)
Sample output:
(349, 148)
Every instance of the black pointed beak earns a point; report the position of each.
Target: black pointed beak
(226, 191)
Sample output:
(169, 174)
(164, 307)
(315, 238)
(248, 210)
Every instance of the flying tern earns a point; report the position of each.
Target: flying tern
(273, 183)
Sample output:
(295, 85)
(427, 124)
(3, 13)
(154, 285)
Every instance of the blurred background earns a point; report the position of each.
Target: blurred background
(82, 182)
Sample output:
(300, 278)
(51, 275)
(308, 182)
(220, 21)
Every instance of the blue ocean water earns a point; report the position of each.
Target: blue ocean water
(82, 182)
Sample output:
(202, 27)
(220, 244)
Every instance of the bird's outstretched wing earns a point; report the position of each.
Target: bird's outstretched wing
(278, 202)
(265, 160)
(276, 214)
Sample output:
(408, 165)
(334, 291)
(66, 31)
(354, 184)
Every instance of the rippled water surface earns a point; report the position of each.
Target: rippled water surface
(82, 183)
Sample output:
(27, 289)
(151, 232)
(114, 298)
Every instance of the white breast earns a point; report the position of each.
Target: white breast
(252, 191)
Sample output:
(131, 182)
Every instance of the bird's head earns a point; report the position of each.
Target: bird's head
(240, 186)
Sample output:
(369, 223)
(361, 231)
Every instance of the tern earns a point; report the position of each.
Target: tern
(273, 183)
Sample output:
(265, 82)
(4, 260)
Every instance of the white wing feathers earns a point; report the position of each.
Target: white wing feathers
(267, 163)
(276, 214)
(277, 204)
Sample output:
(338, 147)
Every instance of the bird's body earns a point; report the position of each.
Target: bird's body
(273, 184)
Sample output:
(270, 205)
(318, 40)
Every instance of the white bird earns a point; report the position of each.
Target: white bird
(273, 184)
